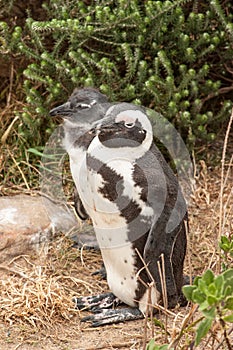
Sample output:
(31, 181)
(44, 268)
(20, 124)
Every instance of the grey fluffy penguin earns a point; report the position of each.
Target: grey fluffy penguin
(83, 107)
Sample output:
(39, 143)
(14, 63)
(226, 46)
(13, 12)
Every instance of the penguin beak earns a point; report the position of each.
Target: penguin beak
(67, 109)
(107, 123)
(104, 127)
(61, 111)
(110, 129)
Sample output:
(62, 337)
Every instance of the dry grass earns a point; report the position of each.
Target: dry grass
(36, 292)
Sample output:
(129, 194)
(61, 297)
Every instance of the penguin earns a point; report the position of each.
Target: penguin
(83, 107)
(138, 213)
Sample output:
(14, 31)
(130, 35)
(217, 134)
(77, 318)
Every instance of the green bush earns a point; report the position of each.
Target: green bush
(172, 56)
(214, 295)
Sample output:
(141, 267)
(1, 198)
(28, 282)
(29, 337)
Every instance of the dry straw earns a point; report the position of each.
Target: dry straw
(39, 292)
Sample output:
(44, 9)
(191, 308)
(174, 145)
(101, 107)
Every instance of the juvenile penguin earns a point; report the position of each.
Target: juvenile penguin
(83, 107)
(137, 209)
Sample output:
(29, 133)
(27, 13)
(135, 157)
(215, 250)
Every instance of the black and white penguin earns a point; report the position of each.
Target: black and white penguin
(137, 209)
(83, 107)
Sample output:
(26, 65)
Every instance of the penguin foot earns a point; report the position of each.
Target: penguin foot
(86, 239)
(106, 316)
(102, 272)
(97, 302)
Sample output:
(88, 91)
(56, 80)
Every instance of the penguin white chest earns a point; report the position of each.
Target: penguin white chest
(111, 228)
(107, 185)
(78, 170)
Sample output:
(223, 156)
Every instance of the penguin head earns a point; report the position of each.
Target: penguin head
(81, 107)
(125, 125)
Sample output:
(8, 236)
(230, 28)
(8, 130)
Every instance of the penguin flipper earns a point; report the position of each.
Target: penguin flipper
(173, 247)
(106, 316)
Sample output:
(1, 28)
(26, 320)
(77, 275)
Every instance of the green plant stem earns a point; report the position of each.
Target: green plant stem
(222, 181)
(223, 325)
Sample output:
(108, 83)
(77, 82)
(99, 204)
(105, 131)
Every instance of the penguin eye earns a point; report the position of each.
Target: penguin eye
(129, 125)
(84, 105)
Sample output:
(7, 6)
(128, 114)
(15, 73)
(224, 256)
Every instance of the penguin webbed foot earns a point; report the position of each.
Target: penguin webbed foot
(103, 312)
(86, 240)
(102, 317)
(96, 302)
(102, 272)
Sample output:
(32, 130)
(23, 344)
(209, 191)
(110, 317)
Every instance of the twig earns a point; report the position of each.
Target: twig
(223, 338)
(148, 309)
(189, 254)
(145, 265)
(223, 90)
(229, 195)
(184, 324)
(152, 321)
(21, 172)
(162, 309)
(222, 180)
(164, 291)
(81, 255)
(77, 281)
(10, 85)
(7, 132)
(15, 272)
(223, 325)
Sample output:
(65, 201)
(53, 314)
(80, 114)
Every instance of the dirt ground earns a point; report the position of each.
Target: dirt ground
(36, 292)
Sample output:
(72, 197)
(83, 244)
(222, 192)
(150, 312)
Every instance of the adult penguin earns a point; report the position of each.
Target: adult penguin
(137, 209)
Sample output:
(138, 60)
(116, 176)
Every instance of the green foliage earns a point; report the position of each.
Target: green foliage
(171, 56)
(214, 295)
(152, 346)
(226, 245)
